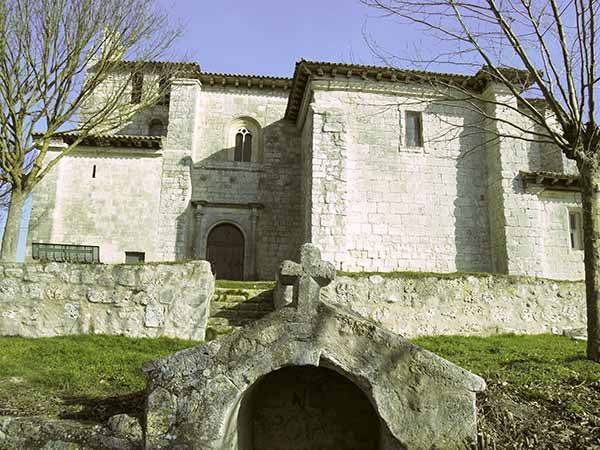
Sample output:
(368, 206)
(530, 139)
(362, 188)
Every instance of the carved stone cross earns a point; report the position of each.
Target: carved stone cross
(308, 277)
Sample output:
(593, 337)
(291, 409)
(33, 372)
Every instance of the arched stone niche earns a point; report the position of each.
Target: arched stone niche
(204, 398)
(300, 407)
(422, 401)
(156, 127)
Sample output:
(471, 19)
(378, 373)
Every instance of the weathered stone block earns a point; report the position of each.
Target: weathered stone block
(14, 272)
(154, 316)
(125, 425)
(96, 295)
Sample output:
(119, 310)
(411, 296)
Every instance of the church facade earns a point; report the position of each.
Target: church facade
(374, 165)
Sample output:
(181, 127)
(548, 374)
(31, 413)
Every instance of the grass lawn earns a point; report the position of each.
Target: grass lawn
(542, 392)
(523, 361)
(85, 377)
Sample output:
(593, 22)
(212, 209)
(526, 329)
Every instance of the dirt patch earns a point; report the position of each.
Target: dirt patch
(566, 416)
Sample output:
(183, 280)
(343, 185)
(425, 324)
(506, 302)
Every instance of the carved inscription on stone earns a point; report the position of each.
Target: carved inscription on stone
(312, 408)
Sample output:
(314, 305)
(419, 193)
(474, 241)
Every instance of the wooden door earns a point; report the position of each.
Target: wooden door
(225, 252)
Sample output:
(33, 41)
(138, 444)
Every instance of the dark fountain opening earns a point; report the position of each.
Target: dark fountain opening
(307, 408)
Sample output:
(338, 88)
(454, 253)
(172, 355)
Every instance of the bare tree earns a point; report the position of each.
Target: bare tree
(554, 44)
(4, 196)
(66, 66)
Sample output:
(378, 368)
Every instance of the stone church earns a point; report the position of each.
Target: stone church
(374, 165)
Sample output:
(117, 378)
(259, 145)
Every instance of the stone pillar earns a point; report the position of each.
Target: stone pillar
(516, 217)
(329, 183)
(176, 185)
(253, 242)
(198, 218)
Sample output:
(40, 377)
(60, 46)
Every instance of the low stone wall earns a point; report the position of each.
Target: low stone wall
(420, 304)
(145, 300)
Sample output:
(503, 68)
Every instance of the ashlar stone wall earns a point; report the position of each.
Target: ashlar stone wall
(119, 84)
(428, 304)
(268, 186)
(381, 205)
(175, 184)
(107, 197)
(530, 229)
(145, 300)
(457, 203)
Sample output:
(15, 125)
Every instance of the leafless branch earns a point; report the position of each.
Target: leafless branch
(55, 56)
(67, 66)
(558, 36)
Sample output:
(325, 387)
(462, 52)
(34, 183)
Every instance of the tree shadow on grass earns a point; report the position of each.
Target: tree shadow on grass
(574, 358)
(97, 409)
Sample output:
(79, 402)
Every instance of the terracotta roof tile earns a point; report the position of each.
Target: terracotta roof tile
(553, 181)
(306, 70)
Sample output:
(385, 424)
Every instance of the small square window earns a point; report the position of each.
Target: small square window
(575, 230)
(134, 257)
(414, 129)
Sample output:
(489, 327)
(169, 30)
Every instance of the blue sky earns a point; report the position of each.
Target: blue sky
(267, 37)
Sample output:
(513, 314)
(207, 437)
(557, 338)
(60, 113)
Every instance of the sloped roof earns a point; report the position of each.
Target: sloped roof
(245, 81)
(111, 140)
(184, 66)
(306, 70)
(552, 181)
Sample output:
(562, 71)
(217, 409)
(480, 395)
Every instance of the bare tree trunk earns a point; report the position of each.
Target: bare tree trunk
(12, 230)
(590, 197)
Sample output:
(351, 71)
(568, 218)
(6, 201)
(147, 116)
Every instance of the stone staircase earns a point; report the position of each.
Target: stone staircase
(236, 304)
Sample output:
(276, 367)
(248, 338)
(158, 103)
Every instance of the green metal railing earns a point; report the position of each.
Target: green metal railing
(66, 253)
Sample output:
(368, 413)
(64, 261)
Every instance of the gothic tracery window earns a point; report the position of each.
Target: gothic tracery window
(243, 145)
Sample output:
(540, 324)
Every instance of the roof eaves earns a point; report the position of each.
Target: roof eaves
(550, 181)
(110, 140)
(307, 69)
(188, 69)
(245, 81)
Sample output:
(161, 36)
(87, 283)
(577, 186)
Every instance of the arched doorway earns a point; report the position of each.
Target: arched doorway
(225, 252)
(307, 408)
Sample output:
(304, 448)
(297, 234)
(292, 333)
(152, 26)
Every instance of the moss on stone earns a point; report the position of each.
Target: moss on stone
(240, 286)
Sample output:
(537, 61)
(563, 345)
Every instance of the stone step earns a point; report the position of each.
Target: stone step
(254, 303)
(233, 308)
(247, 306)
(237, 316)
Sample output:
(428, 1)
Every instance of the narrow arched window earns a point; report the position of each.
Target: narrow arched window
(243, 145)
(156, 128)
(137, 85)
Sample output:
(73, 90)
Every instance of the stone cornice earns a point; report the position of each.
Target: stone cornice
(208, 204)
(245, 81)
(550, 181)
(183, 69)
(109, 140)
